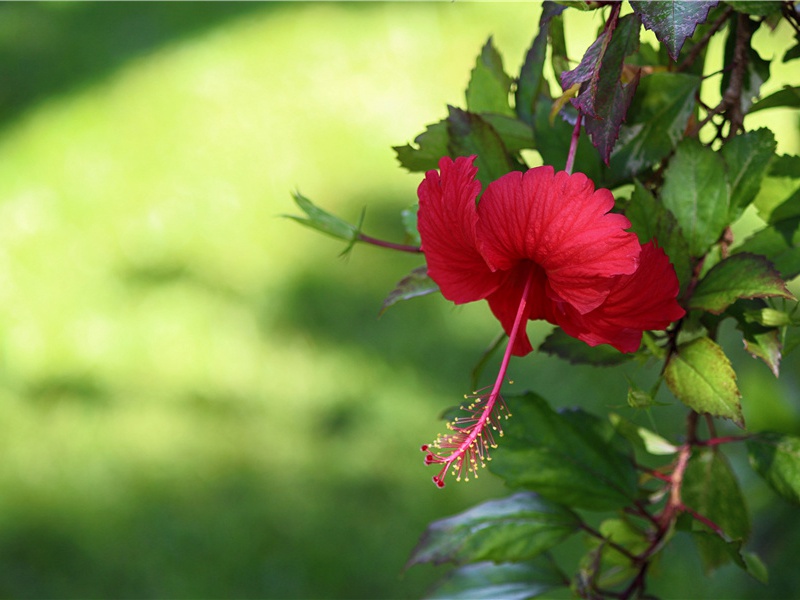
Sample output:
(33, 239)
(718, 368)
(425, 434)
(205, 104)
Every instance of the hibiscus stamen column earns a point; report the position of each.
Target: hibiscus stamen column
(471, 438)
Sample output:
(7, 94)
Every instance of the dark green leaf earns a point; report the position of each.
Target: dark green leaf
(415, 284)
(715, 551)
(489, 86)
(742, 275)
(563, 458)
(711, 489)
(759, 8)
(531, 77)
(776, 457)
(780, 243)
(794, 51)
(514, 134)
(511, 529)
(788, 96)
(431, 146)
(655, 123)
(701, 376)
(673, 21)
(696, 192)
(785, 165)
(577, 352)
(470, 134)
(409, 219)
(559, 59)
(323, 221)
(509, 581)
(651, 221)
(746, 157)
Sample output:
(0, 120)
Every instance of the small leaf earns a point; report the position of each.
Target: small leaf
(642, 437)
(408, 217)
(509, 581)
(511, 529)
(701, 376)
(650, 220)
(747, 157)
(673, 21)
(696, 192)
(471, 134)
(562, 457)
(614, 566)
(577, 352)
(776, 457)
(323, 221)
(415, 284)
(742, 275)
(788, 96)
(431, 146)
(489, 85)
(655, 122)
(780, 243)
(531, 78)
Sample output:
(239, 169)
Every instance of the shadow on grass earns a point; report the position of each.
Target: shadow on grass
(42, 54)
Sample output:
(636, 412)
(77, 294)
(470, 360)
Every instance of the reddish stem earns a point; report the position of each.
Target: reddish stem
(573, 144)
(390, 245)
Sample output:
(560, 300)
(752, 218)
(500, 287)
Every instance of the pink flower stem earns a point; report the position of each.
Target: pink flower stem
(390, 245)
(471, 441)
(573, 144)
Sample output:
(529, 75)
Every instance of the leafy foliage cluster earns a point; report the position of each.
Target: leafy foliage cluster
(631, 117)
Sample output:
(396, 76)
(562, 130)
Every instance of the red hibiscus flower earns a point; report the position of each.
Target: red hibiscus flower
(538, 245)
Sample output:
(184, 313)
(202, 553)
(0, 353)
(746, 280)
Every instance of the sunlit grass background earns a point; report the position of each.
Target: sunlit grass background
(197, 398)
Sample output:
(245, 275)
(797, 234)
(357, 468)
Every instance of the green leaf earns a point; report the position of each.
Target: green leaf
(780, 243)
(742, 275)
(415, 284)
(577, 352)
(701, 376)
(788, 96)
(323, 221)
(696, 191)
(489, 86)
(746, 157)
(759, 8)
(563, 457)
(514, 134)
(715, 551)
(655, 122)
(471, 134)
(408, 217)
(553, 141)
(711, 489)
(776, 457)
(673, 21)
(431, 146)
(509, 581)
(650, 220)
(531, 76)
(642, 437)
(614, 566)
(511, 529)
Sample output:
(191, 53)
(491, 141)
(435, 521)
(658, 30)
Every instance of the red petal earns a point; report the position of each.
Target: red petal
(446, 220)
(639, 302)
(561, 223)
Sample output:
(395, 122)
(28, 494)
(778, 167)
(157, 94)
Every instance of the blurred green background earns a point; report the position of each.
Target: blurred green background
(197, 398)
